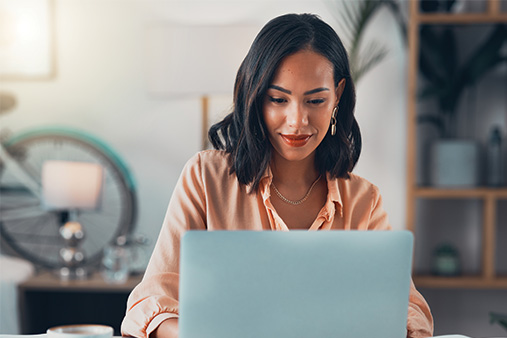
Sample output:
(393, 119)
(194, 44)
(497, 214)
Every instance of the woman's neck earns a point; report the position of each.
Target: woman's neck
(301, 173)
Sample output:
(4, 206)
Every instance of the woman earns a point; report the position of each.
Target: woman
(283, 161)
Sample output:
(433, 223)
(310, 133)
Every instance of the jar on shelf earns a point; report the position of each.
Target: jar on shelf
(116, 261)
(446, 261)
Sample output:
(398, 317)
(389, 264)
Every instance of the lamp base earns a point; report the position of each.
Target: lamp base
(74, 273)
(72, 256)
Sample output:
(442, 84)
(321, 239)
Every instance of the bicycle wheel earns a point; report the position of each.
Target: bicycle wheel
(32, 231)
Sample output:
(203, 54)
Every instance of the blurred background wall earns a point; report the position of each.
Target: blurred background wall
(102, 85)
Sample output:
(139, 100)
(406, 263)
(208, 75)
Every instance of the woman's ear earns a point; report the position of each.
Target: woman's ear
(339, 90)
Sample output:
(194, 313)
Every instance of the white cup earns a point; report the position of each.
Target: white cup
(80, 331)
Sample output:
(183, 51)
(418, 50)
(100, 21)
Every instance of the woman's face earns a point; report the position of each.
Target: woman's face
(299, 103)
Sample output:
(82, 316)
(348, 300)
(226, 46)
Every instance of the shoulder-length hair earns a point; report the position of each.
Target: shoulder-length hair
(243, 133)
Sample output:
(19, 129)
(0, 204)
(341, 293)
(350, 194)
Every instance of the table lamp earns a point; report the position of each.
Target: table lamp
(70, 187)
(196, 60)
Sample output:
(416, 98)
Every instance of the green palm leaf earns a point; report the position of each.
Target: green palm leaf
(501, 319)
(373, 54)
(353, 20)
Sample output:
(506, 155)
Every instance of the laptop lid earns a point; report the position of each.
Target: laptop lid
(241, 284)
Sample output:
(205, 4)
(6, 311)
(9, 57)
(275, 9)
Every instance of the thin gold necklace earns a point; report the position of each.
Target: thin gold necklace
(305, 197)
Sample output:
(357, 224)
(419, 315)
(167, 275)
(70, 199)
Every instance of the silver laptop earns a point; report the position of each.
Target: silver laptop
(242, 284)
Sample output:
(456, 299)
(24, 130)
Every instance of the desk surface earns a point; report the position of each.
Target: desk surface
(95, 283)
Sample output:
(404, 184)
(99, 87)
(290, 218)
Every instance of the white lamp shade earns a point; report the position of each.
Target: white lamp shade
(195, 60)
(71, 185)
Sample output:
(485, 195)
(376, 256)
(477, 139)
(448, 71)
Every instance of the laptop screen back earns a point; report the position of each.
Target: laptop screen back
(295, 284)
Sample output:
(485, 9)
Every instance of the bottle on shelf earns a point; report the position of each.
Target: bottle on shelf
(495, 158)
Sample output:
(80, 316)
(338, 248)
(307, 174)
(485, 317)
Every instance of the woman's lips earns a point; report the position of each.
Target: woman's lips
(295, 140)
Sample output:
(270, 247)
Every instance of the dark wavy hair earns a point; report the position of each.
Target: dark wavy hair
(243, 133)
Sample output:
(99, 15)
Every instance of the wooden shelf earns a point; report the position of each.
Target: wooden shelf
(471, 18)
(462, 282)
(49, 282)
(496, 193)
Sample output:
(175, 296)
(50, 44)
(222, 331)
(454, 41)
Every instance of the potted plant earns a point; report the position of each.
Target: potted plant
(499, 318)
(354, 17)
(454, 160)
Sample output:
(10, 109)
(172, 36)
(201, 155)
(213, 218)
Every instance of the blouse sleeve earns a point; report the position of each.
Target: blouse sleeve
(420, 320)
(156, 297)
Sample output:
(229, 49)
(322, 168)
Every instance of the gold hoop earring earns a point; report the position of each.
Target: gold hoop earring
(333, 121)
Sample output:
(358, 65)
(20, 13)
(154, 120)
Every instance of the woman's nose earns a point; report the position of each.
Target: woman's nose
(297, 116)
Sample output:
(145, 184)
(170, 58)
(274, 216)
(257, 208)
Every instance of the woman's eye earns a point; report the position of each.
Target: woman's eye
(277, 100)
(316, 101)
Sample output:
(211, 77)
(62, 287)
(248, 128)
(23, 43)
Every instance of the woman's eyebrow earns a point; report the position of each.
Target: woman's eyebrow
(313, 91)
(316, 90)
(280, 89)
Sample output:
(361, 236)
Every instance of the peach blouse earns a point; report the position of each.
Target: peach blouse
(208, 197)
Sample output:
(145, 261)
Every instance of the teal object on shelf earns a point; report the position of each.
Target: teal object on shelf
(501, 319)
(446, 261)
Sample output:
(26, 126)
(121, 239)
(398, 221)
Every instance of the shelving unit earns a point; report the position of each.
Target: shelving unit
(488, 278)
